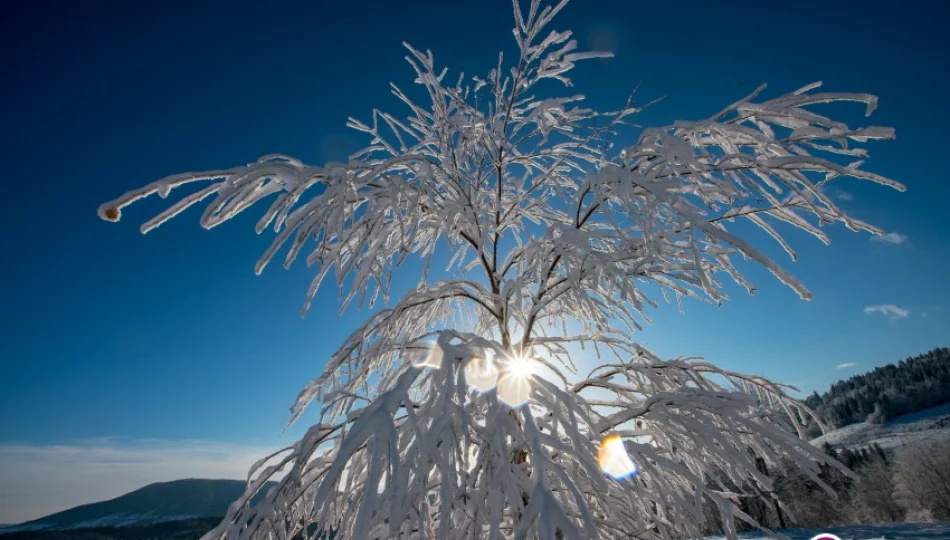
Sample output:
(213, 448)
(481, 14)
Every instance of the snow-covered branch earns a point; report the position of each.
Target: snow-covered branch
(435, 425)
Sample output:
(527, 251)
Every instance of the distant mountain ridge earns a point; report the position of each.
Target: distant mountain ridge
(155, 503)
(186, 529)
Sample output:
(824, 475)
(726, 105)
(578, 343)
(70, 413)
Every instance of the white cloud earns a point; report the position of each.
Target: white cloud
(37, 480)
(843, 196)
(890, 238)
(846, 365)
(888, 310)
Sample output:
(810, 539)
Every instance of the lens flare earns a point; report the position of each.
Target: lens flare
(432, 359)
(520, 366)
(614, 460)
(514, 386)
(481, 374)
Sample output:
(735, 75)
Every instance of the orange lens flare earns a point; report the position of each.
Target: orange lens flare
(614, 460)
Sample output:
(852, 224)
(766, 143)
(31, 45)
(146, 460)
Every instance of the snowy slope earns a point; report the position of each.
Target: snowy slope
(154, 503)
(898, 432)
(888, 531)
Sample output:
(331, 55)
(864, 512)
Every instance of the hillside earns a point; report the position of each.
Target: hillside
(188, 529)
(888, 531)
(904, 430)
(154, 503)
(911, 385)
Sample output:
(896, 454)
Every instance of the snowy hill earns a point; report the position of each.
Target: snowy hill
(902, 430)
(154, 503)
(188, 529)
(885, 531)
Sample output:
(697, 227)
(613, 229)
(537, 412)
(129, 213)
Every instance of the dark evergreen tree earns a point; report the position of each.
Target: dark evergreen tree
(912, 385)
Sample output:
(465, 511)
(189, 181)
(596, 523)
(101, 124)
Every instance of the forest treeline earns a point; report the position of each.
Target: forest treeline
(911, 385)
(909, 484)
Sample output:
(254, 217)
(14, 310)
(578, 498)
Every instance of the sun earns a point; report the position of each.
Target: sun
(514, 385)
(520, 366)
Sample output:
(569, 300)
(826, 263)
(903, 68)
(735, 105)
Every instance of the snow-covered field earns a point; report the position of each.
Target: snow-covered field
(888, 531)
(902, 430)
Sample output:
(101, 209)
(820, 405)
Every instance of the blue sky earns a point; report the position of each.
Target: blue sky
(115, 342)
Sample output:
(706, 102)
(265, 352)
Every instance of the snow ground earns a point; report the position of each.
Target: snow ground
(112, 520)
(886, 531)
(931, 423)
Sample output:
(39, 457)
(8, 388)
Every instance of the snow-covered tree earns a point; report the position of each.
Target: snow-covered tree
(457, 411)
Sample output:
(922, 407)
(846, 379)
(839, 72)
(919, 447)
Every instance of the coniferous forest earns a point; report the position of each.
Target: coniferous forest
(911, 385)
(908, 483)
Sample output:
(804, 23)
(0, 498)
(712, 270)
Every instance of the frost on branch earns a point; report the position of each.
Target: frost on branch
(458, 410)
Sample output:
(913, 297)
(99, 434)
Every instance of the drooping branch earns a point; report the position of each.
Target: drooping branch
(423, 407)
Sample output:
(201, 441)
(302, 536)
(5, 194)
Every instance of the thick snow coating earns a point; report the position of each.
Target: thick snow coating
(434, 420)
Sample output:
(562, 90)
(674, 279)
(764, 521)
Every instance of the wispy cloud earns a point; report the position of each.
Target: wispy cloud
(888, 310)
(894, 238)
(843, 195)
(37, 480)
(846, 365)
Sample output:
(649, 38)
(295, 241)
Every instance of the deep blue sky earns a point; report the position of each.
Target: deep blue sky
(109, 334)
